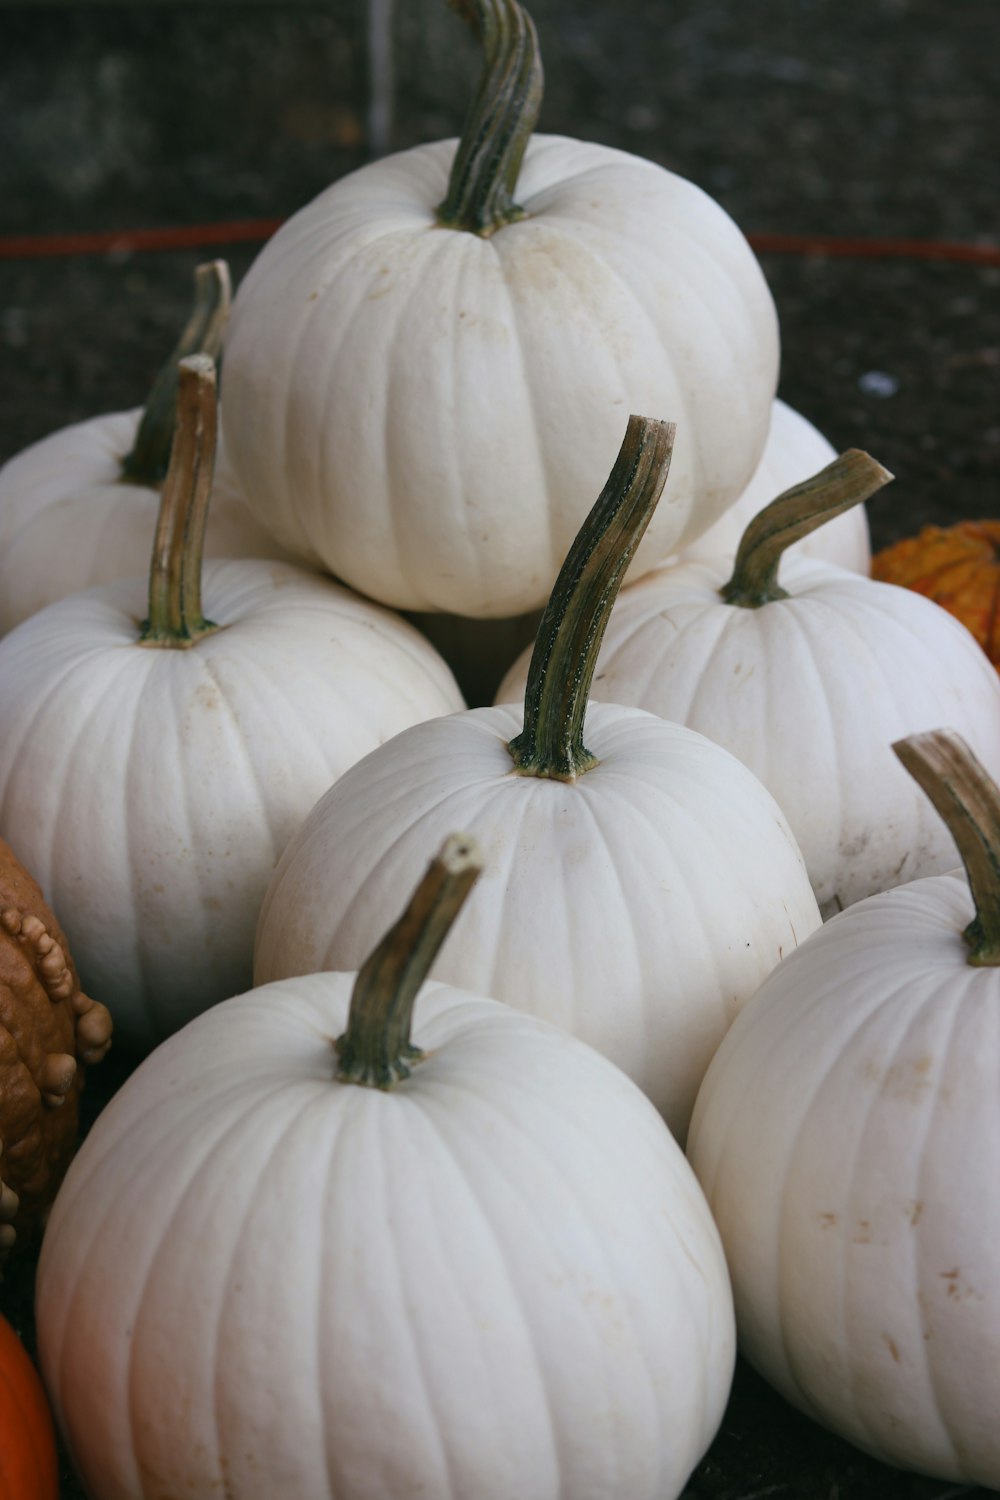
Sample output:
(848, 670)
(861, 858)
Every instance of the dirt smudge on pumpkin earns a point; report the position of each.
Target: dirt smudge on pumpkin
(827, 1220)
(892, 1347)
(957, 1289)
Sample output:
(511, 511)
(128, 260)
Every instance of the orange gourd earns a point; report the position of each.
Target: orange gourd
(28, 1464)
(956, 566)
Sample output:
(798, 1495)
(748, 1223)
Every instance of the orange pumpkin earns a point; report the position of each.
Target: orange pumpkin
(956, 566)
(29, 1468)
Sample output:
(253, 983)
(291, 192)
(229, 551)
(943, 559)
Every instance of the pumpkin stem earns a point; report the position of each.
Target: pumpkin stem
(576, 616)
(150, 456)
(847, 481)
(376, 1048)
(968, 800)
(503, 114)
(175, 617)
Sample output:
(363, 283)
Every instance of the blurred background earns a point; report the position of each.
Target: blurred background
(854, 141)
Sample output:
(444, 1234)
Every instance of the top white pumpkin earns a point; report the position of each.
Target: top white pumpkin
(422, 408)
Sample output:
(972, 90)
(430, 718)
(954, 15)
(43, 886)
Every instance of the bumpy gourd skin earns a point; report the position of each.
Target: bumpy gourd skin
(48, 1027)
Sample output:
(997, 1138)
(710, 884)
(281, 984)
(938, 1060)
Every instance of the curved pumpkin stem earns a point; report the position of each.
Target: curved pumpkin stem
(149, 459)
(574, 621)
(968, 800)
(847, 481)
(376, 1048)
(503, 114)
(175, 616)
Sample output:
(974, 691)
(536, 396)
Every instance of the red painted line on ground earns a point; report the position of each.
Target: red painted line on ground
(125, 241)
(863, 249)
(254, 231)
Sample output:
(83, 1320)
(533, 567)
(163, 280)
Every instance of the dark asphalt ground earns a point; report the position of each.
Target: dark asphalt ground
(859, 118)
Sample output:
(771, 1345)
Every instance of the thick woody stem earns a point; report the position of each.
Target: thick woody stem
(969, 802)
(503, 114)
(175, 615)
(574, 621)
(844, 483)
(376, 1048)
(150, 456)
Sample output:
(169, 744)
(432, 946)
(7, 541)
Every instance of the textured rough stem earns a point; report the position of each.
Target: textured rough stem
(503, 114)
(844, 483)
(576, 616)
(175, 616)
(969, 802)
(150, 456)
(376, 1048)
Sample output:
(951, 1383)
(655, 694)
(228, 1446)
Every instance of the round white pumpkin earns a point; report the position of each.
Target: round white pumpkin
(502, 1280)
(637, 906)
(151, 790)
(809, 690)
(795, 449)
(847, 1135)
(492, 1275)
(422, 408)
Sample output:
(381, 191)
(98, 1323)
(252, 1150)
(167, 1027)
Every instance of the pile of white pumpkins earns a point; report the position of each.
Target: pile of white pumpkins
(352, 1235)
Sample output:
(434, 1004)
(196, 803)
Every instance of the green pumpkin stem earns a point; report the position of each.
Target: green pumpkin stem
(376, 1049)
(576, 616)
(503, 114)
(150, 456)
(968, 800)
(175, 615)
(847, 481)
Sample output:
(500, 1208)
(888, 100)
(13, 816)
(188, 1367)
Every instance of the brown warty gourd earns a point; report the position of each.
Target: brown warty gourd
(49, 1031)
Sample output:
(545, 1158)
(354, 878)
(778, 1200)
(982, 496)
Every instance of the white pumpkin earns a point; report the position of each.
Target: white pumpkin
(847, 1136)
(795, 449)
(808, 682)
(152, 790)
(422, 376)
(72, 513)
(497, 1277)
(637, 889)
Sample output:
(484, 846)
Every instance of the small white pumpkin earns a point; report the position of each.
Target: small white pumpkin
(79, 507)
(491, 1274)
(151, 776)
(423, 375)
(847, 1135)
(795, 449)
(809, 682)
(638, 887)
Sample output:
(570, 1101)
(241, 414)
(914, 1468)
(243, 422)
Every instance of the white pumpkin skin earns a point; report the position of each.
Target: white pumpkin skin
(498, 1279)
(152, 791)
(637, 906)
(847, 1137)
(423, 410)
(810, 692)
(795, 449)
(68, 520)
